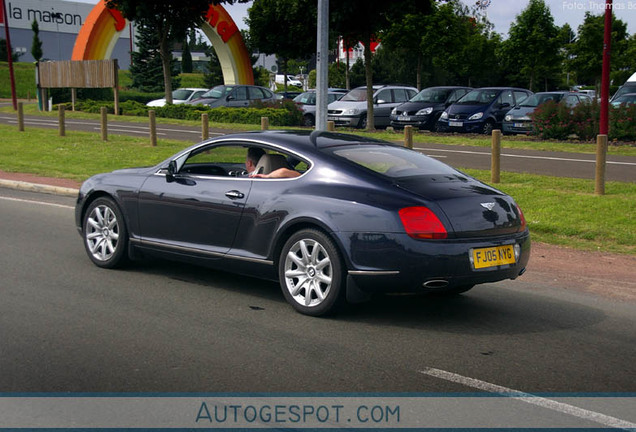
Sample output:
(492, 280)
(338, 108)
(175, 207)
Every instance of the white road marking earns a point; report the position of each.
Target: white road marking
(37, 202)
(524, 156)
(531, 399)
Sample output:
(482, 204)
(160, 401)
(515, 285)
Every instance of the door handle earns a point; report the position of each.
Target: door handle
(234, 194)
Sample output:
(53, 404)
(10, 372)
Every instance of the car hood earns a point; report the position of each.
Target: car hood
(472, 208)
(348, 105)
(203, 101)
(518, 112)
(466, 109)
(416, 106)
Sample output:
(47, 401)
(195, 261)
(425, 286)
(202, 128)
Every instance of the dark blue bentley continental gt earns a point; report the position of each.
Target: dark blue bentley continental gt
(360, 216)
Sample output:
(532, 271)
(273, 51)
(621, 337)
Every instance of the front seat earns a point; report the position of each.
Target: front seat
(270, 162)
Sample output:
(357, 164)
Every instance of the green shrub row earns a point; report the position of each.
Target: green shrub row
(284, 113)
(558, 121)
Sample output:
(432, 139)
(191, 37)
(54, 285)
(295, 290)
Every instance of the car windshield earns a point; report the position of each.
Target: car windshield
(625, 89)
(431, 96)
(308, 98)
(181, 94)
(356, 95)
(479, 97)
(537, 99)
(217, 92)
(394, 162)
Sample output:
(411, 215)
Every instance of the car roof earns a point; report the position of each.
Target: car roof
(301, 140)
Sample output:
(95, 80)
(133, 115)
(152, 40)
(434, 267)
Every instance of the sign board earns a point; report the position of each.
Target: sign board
(78, 74)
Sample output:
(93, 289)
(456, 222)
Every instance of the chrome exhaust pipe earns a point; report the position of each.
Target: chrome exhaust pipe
(435, 284)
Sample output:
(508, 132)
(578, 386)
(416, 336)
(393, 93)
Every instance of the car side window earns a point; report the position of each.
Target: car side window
(384, 96)
(520, 96)
(399, 95)
(506, 97)
(215, 160)
(256, 93)
(240, 93)
(455, 96)
(571, 100)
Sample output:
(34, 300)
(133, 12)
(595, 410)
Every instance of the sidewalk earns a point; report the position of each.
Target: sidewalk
(551, 267)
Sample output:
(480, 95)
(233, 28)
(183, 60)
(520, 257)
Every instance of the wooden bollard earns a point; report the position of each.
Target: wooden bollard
(104, 123)
(153, 127)
(20, 117)
(408, 136)
(264, 123)
(205, 126)
(61, 120)
(601, 156)
(331, 126)
(495, 158)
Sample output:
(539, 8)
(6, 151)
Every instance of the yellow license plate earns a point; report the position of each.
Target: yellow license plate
(493, 256)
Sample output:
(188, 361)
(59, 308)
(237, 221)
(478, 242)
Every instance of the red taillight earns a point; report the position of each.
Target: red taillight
(422, 223)
(522, 218)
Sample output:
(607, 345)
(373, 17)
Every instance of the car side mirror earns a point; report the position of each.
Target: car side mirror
(380, 101)
(172, 171)
(229, 98)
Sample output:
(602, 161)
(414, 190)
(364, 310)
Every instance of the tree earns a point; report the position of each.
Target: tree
(364, 21)
(186, 58)
(587, 50)
(36, 45)
(531, 52)
(4, 52)
(170, 19)
(146, 69)
(214, 74)
(286, 28)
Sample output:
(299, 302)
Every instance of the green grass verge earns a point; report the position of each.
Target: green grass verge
(418, 138)
(560, 211)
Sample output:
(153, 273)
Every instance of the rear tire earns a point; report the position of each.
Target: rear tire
(311, 273)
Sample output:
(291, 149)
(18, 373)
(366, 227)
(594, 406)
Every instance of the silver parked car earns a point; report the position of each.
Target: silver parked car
(234, 96)
(351, 109)
(307, 103)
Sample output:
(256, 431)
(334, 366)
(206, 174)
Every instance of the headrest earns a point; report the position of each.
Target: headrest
(270, 162)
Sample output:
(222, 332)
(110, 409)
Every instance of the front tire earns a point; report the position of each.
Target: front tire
(311, 273)
(105, 234)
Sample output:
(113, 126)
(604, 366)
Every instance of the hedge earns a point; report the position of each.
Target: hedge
(284, 113)
(553, 120)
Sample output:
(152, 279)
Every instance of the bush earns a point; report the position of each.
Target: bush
(284, 113)
(557, 121)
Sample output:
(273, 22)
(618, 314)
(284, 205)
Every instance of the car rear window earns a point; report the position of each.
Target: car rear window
(394, 162)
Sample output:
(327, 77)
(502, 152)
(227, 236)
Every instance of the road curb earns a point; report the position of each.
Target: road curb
(36, 187)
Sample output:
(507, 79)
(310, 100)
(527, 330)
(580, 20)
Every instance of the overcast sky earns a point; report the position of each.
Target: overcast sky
(503, 12)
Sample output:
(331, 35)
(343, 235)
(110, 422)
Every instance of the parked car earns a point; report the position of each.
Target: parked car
(628, 87)
(179, 96)
(291, 80)
(423, 110)
(481, 110)
(286, 95)
(363, 216)
(351, 109)
(518, 120)
(307, 103)
(627, 99)
(234, 96)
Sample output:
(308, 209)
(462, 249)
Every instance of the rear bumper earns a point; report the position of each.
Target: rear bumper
(397, 263)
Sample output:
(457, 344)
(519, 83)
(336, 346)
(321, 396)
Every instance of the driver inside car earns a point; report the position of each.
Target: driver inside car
(262, 165)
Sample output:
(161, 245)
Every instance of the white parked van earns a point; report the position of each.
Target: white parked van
(291, 80)
(628, 87)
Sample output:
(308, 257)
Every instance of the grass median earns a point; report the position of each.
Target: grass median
(561, 211)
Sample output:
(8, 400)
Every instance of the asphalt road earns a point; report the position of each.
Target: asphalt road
(559, 164)
(68, 326)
